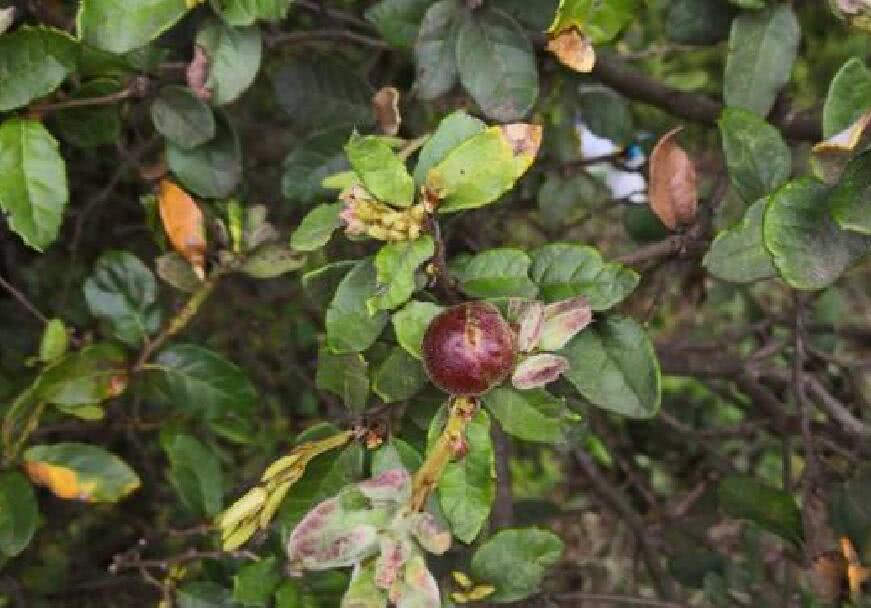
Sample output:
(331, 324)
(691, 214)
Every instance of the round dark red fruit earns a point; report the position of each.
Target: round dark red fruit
(468, 349)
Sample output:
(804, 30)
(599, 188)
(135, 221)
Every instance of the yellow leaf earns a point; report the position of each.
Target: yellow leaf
(573, 50)
(190, 4)
(63, 482)
(462, 579)
(183, 222)
(524, 140)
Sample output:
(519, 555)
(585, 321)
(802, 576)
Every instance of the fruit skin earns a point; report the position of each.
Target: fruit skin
(468, 349)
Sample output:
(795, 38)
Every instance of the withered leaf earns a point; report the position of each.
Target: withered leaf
(197, 73)
(184, 225)
(573, 50)
(672, 191)
(385, 103)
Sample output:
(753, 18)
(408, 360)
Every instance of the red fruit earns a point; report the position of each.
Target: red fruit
(468, 349)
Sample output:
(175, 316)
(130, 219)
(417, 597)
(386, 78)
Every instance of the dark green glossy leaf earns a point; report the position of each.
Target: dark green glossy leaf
(739, 254)
(850, 200)
(350, 326)
(533, 415)
(515, 562)
(119, 27)
(614, 366)
(196, 379)
(398, 20)
(849, 97)
(810, 251)
(122, 292)
(195, 473)
(181, 117)
(255, 582)
(213, 169)
(234, 59)
(565, 270)
(91, 127)
(770, 508)
(34, 61)
(497, 273)
(698, 21)
(33, 181)
(496, 64)
(399, 377)
(434, 54)
(346, 376)
(18, 513)
(758, 159)
(311, 160)
(762, 49)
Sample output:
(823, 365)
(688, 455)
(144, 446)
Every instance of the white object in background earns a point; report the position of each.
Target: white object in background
(627, 185)
(593, 146)
(7, 16)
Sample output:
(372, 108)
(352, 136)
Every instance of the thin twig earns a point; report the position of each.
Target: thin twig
(22, 299)
(303, 37)
(137, 87)
(618, 600)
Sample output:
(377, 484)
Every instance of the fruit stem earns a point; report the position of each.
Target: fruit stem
(462, 409)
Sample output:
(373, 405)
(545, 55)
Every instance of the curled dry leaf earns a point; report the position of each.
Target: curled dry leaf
(385, 103)
(672, 192)
(573, 50)
(525, 140)
(183, 223)
(832, 155)
(538, 370)
(197, 74)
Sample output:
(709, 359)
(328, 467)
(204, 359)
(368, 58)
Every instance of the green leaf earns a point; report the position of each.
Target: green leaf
(849, 200)
(212, 170)
(119, 26)
(700, 22)
(91, 127)
(515, 562)
(178, 272)
(533, 415)
(565, 200)
(738, 254)
(410, 324)
(234, 59)
(246, 12)
(320, 284)
(350, 327)
(33, 181)
(771, 509)
(614, 366)
(255, 582)
(599, 21)
(849, 97)
(759, 160)
(476, 172)
(399, 377)
(310, 161)
(466, 488)
(535, 16)
(272, 260)
(182, 118)
(434, 52)
(323, 93)
(565, 270)
(204, 594)
(122, 292)
(19, 513)
(394, 454)
(346, 376)
(396, 265)
(86, 377)
(762, 48)
(810, 251)
(80, 471)
(55, 341)
(324, 477)
(453, 130)
(496, 63)
(850, 511)
(398, 20)
(317, 227)
(196, 379)
(34, 61)
(607, 114)
(497, 273)
(195, 473)
(382, 172)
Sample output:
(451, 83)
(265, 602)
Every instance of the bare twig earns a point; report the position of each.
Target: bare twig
(303, 37)
(22, 299)
(617, 600)
(138, 87)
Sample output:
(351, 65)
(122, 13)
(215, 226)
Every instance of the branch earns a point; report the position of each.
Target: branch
(138, 87)
(22, 299)
(615, 499)
(698, 108)
(618, 600)
(302, 37)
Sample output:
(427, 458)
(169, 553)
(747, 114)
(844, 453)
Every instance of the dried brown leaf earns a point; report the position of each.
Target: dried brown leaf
(573, 50)
(672, 191)
(197, 73)
(385, 103)
(183, 223)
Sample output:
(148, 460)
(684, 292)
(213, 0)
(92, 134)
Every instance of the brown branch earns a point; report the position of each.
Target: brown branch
(440, 264)
(613, 498)
(617, 600)
(503, 505)
(303, 37)
(22, 299)
(691, 106)
(138, 87)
